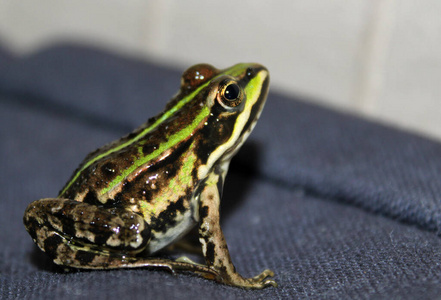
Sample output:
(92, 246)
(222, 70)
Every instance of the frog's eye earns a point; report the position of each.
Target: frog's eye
(230, 94)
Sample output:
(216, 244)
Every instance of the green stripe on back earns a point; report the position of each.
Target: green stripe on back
(172, 141)
(233, 71)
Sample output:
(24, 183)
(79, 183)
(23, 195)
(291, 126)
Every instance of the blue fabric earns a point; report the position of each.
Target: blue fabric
(337, 206)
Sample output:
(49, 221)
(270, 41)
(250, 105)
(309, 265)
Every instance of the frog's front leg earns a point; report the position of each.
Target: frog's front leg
(81, 235)
(215, 248)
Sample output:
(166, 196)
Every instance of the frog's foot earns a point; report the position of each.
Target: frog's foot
(261, 279)
(184, 264)
(258, 282)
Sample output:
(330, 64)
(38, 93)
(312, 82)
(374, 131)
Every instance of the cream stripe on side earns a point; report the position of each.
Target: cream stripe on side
(252, 91)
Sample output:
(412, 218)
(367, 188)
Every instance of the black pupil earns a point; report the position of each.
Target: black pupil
(232, 92)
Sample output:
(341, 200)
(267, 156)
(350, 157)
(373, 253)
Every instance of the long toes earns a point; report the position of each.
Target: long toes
(263, 275)
(269, 282)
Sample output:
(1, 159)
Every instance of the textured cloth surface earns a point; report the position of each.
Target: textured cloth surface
(337, 206)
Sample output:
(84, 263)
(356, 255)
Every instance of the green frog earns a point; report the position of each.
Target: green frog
(144, 192)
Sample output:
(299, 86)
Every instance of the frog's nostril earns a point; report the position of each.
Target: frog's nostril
(251, 72)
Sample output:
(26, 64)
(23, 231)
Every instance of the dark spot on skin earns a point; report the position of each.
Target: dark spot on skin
(101, 234)
(194, 173)
(108, 170)
(177, 153)
(203, 212)
(84, 257)
(69, 227)
(203, 149)
(99, 183)
(131, 135)
(127, 185)
(167, 218)
(149, 148)
(116, 202)
(223, 270)
(171, 172)
(217, 133)
(68, 223)
(209, 255)
(146, 194)
(91, 198)
(51, 245)
(32, 226)
(139, 189)
(178, 205)
(161, 224)
(251, 72)
(146, 235)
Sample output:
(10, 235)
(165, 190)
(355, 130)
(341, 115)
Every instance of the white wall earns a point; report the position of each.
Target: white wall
(381, 58)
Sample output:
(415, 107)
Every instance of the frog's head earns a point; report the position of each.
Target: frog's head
(233, 99)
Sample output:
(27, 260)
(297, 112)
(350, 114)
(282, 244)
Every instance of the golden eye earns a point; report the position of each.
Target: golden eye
(231, 94)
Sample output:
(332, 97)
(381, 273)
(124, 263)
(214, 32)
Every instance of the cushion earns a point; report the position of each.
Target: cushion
(337, 206)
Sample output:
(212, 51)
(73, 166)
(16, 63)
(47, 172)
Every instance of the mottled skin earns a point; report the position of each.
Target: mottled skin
(137, 195)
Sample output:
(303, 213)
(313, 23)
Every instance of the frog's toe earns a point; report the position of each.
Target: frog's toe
(260, 281)
(270, 282)
(266, 273)
(260, 284)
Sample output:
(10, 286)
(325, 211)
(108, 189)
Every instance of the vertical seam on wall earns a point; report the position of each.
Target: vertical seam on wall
(374, 50)
(156, 32)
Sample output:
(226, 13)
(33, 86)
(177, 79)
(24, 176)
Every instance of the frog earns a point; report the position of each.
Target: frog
(147, 191)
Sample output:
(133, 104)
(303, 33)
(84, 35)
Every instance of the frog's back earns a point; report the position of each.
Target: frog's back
(140, 168)
(98, 167)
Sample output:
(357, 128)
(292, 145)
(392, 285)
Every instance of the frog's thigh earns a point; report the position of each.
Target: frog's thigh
(81, 235)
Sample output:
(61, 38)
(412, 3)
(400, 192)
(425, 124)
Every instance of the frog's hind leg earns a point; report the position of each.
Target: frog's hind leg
(174, 266)
(80, 235)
